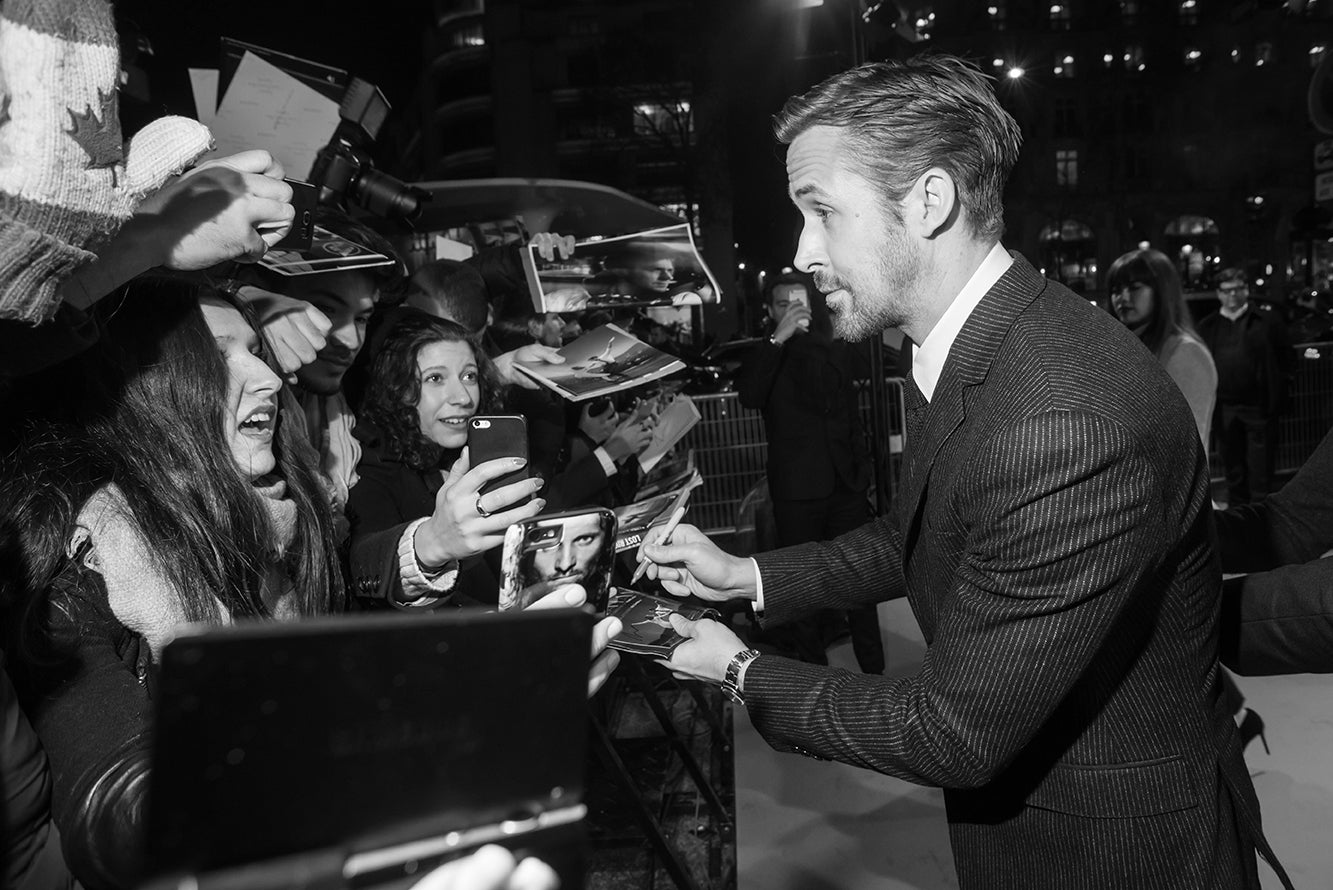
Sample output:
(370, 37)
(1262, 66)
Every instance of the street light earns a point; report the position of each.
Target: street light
(1015, 73)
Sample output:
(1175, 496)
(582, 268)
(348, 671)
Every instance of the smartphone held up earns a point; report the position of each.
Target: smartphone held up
(496, 436)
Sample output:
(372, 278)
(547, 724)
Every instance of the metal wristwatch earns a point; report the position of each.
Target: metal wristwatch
(731, 682)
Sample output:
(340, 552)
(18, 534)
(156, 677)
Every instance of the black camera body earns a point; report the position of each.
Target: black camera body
(343, 170)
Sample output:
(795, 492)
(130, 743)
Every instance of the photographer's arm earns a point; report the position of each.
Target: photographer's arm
(208, 216)
(755, 379)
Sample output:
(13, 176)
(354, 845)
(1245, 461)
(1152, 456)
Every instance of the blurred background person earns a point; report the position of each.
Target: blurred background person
(613, 439)
(818, 465)
(1147, 297)
(1249, 346)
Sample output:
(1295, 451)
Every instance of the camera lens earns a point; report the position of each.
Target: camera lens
(385, 196)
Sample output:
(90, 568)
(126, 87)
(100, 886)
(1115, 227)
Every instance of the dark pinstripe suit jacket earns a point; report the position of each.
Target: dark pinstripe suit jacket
(1053, 537)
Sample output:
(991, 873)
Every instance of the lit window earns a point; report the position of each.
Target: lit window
(997, 62)
(471, 35)
(999, 13)
(1189, 12)
(1263, 54)
(1066, 168)
(1317, 51)
(1235, 54)
(1060, 20)
(1064, 66)
(654, 119)
(1133, 58)
(1108, 60)
(1193, 58)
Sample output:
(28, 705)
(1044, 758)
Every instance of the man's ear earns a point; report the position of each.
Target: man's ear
(535, 325)
(932, 205)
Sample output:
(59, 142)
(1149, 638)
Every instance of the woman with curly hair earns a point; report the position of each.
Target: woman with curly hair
(172, 492)
(426, 383)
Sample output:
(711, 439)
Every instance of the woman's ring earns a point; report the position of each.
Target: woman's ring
(481, 512)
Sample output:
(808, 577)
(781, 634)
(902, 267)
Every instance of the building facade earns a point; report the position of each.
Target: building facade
(1181, 124)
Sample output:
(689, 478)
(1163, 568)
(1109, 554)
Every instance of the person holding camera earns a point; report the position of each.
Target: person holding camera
(818, 466)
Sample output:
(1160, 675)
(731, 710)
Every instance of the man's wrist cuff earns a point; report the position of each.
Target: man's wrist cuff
(604, 458)
(758, 588)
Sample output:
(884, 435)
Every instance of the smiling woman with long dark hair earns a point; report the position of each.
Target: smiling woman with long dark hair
(172, 492)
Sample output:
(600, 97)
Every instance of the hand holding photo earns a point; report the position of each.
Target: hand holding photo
(327, 253)
(677, 418)
(660, 267)
(603, 361)
(673, 471)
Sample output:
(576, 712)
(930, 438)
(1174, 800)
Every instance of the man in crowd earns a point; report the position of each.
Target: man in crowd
(1052, 533)
(818, 469)
(1249, 347)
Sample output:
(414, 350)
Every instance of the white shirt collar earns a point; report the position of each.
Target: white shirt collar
(928, 361)
(1234, 314)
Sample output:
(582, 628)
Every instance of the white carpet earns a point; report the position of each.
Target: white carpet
(806, 825)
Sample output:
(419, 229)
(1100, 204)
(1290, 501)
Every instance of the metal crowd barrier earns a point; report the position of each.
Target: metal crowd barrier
(1309, 414)
(731, 451)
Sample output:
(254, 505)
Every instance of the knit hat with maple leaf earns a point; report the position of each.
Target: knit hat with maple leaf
(66, 180)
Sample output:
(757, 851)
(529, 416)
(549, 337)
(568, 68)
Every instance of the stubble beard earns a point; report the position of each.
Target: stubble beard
(868, 308)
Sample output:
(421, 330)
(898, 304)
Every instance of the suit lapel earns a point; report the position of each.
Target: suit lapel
(967, 365)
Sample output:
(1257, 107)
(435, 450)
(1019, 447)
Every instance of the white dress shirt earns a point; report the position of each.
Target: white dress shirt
(928, 361)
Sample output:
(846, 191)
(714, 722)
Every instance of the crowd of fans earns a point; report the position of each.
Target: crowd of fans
(194, 439)
(166, 473)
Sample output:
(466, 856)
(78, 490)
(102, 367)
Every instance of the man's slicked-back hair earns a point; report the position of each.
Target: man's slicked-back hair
(902, 118)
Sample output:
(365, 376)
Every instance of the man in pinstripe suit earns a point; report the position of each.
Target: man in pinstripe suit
(1053, 532)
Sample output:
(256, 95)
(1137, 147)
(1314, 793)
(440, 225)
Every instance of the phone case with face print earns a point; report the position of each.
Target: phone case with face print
(548, 552)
